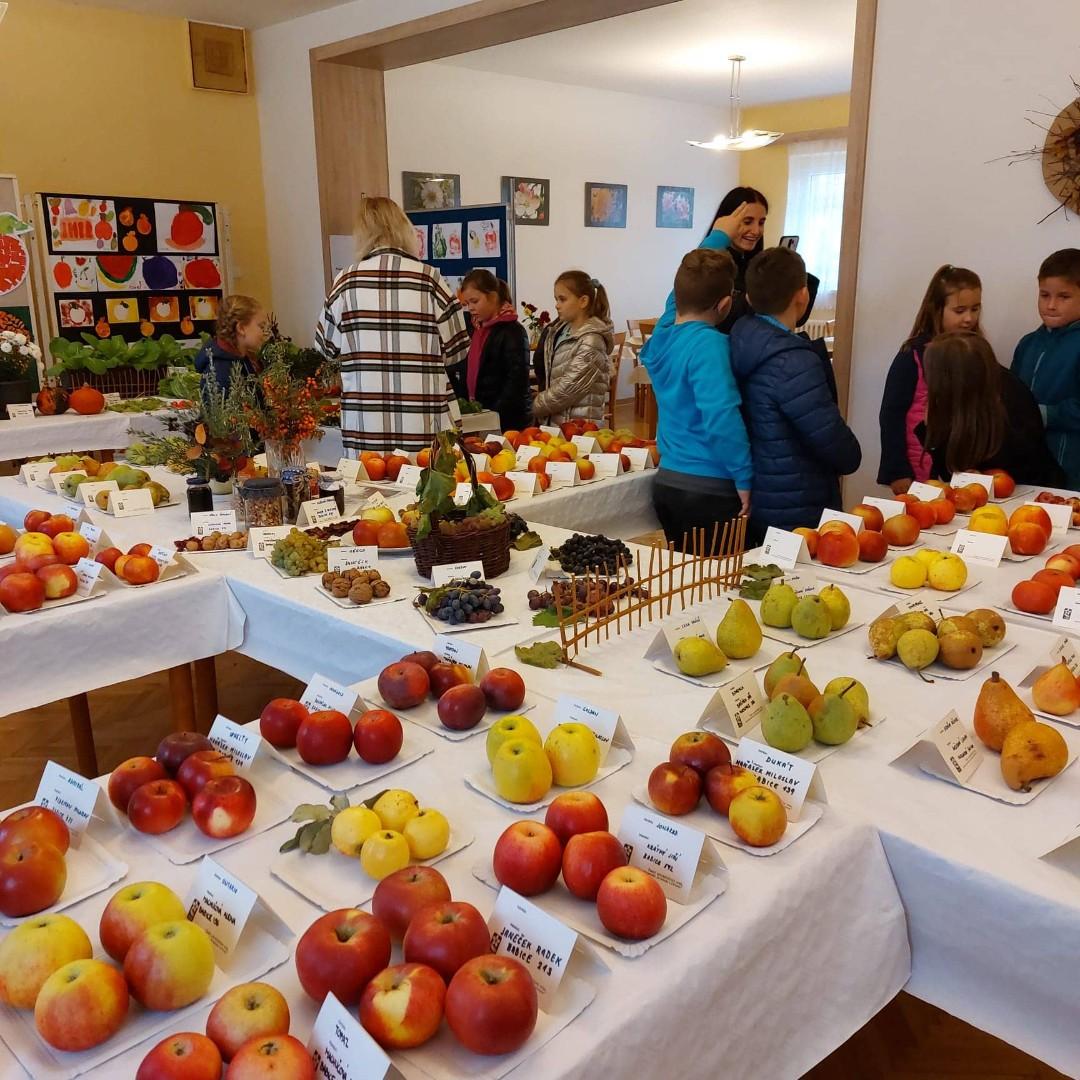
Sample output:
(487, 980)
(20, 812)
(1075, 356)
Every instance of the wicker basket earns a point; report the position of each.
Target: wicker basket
(126, 381)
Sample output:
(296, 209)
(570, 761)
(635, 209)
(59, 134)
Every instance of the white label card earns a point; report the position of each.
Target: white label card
(524, 455)
(221, 904)
(322, 694)
(804, 584)
(1067, 612)
(603, 722)
(318, 511)
(208, 521)
(666, 849)
(72, 507)
(480, 462)
(91, 532)
(539, 563)
(956, 747)
(445, 572)
(640, 458)
(89, 490)
(586, 444)
(238, 744)
(538, 940)
(551, 429)
(259, 461)
(261, 539)
(1065, 652)
(888, 507)
(908, 605)
(68, 794)
(89, 574)
(57, 479)
(983, 549)
(399, 452)
(784, 548)
(341, 1049)
(451, 649)
(352, 558)
(853, 520)
(744, 701)
(685, 626)
(20, 412)
(35, 471)
(409, 477)
(524, 482)
(607, 465)
(374, 501)
(789, 776)
(463, 492)
(961, 479)
(1060, 517)
(112, 398)
(162, 556)
(454, 409)
(351, 469)
(925, 492)
(130, 503)
(562, 474)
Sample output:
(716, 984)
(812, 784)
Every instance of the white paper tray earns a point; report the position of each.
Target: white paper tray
(504, 618)
(768, 652)
(814, 751)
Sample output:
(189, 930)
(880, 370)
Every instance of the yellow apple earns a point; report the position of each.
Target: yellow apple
(82, 1004)
(33, 951)
(757, 816)
(510, 727)
(352, 827)
(381, 515)
(503, 462)
(395, 807)
(522, 771)
(170, 965)
(384, 854)
(131, 910)
(928, 556)
(949, 573)
(427, 834)
(574, 754)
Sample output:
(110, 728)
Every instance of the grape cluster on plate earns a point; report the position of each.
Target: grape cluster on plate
(583, 553)
(465, 600)
(299, 553)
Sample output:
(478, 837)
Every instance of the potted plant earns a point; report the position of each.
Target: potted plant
(113, 365)
(18, 356)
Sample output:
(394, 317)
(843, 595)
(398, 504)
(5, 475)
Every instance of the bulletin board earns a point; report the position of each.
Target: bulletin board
(466, 238)
(16, 291)
(132, 268)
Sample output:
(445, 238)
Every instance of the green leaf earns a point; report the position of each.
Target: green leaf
(309, 812)
(320, 843)
(90, 340)
(307, 835)
(549, 617)
(97, 366)
(290, 845)
(339, 802)
(528, 540)
(544, 654)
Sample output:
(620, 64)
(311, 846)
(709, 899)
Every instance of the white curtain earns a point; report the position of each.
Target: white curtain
(815, 208)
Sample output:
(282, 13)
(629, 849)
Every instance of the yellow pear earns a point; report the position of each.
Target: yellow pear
(1056, 691)
(997, 711)
(1032, 751)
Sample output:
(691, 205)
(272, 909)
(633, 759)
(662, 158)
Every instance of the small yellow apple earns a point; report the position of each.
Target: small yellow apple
(574, 754)
(33, 951)
(907, 572)
(949, 573)
(381, 515)
(395, 807)
(522, 771)
(510, 727)
(384, 854)
(928, 556)
(427, 834)
(352, 827)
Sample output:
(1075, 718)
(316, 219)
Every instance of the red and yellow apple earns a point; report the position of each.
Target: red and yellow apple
(757, 816)
(224, 807)
(575, 812)
(701, 750)
(81, 1005)
(248, 1011)
(402, 1006)
(36, 948)
(169, 965)
(274, 1057)
(187, 1055)
(403, 893)
(33, 874)
(133, 909)
(132, 774)
(674, 789)
(35, 823)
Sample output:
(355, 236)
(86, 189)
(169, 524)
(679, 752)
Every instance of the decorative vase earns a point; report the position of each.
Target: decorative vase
(283, 455)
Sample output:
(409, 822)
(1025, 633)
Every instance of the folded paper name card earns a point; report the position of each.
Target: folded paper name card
(784, 548)
(736, 708)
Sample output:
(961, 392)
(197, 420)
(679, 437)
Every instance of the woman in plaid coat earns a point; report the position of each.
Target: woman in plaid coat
(394, 328)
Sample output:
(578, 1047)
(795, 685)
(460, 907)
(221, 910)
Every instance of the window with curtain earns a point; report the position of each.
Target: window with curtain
(815, 209)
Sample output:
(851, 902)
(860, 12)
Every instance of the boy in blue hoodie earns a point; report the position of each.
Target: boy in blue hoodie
(1048, 359)
(705, 471)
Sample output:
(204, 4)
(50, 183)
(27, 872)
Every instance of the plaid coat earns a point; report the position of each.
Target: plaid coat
(394, 327)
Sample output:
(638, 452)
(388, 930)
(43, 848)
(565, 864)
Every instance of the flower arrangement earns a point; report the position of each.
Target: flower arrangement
(285, 407)
(534, 321)
(17, 354)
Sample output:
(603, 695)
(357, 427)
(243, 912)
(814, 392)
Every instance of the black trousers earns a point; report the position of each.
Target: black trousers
(682, 510)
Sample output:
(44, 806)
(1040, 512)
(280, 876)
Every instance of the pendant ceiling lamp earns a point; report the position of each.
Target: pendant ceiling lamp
(752, 139)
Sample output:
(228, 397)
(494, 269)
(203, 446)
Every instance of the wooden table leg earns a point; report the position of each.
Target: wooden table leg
(83, 734)
(182, 695)
(206, 696)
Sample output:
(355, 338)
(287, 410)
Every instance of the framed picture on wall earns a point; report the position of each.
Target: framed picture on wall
(605, 206)
(218, 57)
(674, 207)
(530, 198)
(430, 191)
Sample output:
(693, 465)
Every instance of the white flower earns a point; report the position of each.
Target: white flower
(20, 339)
(6, 347)
(7, 335)
(34, 351)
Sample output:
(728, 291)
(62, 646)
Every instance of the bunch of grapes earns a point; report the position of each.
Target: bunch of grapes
(299, 553)
(518, 525)
(580, 554)
(470, 600)
(490, 518)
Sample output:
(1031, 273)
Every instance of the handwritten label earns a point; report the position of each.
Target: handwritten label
(1065, 652)
(352, 558)
(374, 501)
(984, 549)
(221, 904)
(853, 520)
(409, 477)
(441, 573)
(33, 472)
(607, 465)
(563, 474)
(161, 555)
(89, 574)
(130, 503)
(341, 1049)
(72, 507)
(539, 563)
(18, 412)
(71, 796)
(925, 492)
(586, 444)
(322, 694)
(961, 479)
(318, 511)
(743, 701)
(451, 649)
(666, 849)
(538, 940)
(956, 747)
(111, 398)
(351, 469)
(524, 455)
(239, 744)
(1060, 517)
(91, 532)
(603, 722)
(261, 539)
(524, 483)
(784, 548)
(640, 458)
(57, 479)
(1067, 612)
(208, 521)
(789, 776)
(90, 489)
(908, 605)
(804, 584)
(685, 626)
(888, 507)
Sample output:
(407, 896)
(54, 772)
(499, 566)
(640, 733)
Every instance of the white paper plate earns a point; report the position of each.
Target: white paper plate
(768, 652)
(855, 568)
(345, 602)
(932, 597)
(937, 670)
(504, 618)
(814, 752)
(75, 598)
(1049, 617)
(789, 637)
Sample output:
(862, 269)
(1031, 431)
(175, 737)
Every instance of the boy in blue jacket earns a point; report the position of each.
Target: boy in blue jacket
(705, 470)
(800, 442)
(1048, 359)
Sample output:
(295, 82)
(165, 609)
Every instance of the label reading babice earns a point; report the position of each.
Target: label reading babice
(789, 776)
(744, 702)
(322, 694)
(263, 538)
(538, 940)
(341, 1049)
(670, 852)
(69, 795)
(238, 744)
(984, 549)
(352, 558)
(956, 747)
(221, 904)
(208, 521)
(602, 722)
(320, 511)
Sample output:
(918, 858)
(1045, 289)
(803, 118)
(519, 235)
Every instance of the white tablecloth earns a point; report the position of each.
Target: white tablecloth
(67, 433)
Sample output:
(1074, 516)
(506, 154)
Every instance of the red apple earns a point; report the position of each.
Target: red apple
(527, 857)
(71, 547)
(504, 689)
(491, 1005)
(631, 904)
(187, 1055)
(81, 1005)
(462, 707)
(108, 556)
(403, 685)
(157, 807)
(59, 581)
(701, 750)
(202, 767)
(139, 549)
(725, 782)
(22, 591)
(575, 812)
(674, 789)
(403, 1006)
(426, 659)
(342, 952)
(177, 746)
(324, 738)
(872, 517)
(378, 736)
(35, 823)
(401, 895)
(276, 1057)
(32, 877)
(247, 1011)
(56, 524)
(132, 774)
(587, 860)
(34, 518)
(224, 807)
(280, 720)
(445, 935)
(442, 676)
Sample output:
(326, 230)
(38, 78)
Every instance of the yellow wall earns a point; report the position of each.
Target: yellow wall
(100, 102)
(767, 169)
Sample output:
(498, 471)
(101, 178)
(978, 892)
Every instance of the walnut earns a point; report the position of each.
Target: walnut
(380, 589)
(360, 594)
(340, 588)
(328, 579)
(191, 545)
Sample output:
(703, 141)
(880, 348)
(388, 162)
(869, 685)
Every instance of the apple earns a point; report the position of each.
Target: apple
(31, 952)
(402, 1006)
(445, 935)
(674, 789)
(32, 877)
(341, 951)
(139, 549)
(34, 518)
(837, 547)
(575, 812)
(248, 1011)
(491, 1005)
(872, 517)
(757, 816)
(35, 823)
(426, 659)
(442, 676)
(504, 689)
(873, 547)
(276, 1057)
(1069, 564)
(224, 807)
(157, 807)
(56, 524)
(724, 782)
(574, 753)
(403, 685)
(280, 720)
(118, 566)
(108, 556)
(169, 965)
(462, 707)
(81, 1005)
(631, 904)
(507, 728)
(901, 530)
(33, 543)
(325, 737)
(59, 581)
(527, 857)
(187, 1055)
(22, 591)
(132, 774)
(403, 893)
(202, 767)
(701, 750)
(177, 746)
(587, 859)
(71, 547)
(378, 736)
(132, 910)
(140, 570)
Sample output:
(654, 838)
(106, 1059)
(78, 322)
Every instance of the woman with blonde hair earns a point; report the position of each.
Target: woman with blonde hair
(238, 336)
(394, 327)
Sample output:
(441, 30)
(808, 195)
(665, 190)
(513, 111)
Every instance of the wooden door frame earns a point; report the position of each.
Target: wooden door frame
(349, 109)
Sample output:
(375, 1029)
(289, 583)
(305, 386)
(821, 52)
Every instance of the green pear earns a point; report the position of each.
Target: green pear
(777, 605)
(810, 618)
(833, 718)
(697, 656)
(883, 635)
(739, 635)
(838, 604)
(786, 725)
(787, 663)
(917, 649)
(71, 484)
(854, 693)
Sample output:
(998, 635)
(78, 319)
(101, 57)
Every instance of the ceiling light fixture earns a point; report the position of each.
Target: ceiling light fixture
(751, 139)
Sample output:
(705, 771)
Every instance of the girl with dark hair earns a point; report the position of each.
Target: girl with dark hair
(745, 237)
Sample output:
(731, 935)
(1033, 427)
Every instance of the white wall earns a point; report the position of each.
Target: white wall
(951, 84)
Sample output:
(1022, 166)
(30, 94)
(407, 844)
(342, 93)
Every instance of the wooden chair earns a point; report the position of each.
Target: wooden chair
(613, 387)
(642, 328)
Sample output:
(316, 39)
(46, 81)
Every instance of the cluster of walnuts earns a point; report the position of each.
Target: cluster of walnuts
(359, 586)
(215, 541)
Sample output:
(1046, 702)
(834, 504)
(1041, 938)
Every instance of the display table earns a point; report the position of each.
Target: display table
(68, 433)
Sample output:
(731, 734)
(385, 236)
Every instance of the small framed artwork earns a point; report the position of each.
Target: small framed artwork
(605, 206)
(674, 207)
(430, 191)
(218, 57)
(530, 198)
(790, 242)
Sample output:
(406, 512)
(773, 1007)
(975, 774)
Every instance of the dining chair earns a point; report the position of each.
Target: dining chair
(640, 330)
(613, 386)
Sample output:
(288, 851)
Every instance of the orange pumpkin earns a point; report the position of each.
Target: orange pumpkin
(87, 400)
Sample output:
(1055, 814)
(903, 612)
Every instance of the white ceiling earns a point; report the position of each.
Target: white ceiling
(251, 14)
(794, 49)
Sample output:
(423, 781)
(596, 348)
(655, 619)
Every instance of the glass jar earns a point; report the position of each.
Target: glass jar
(262, 496)
(294, 482)
(331, 486)
(282, 455)
(200, 498)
